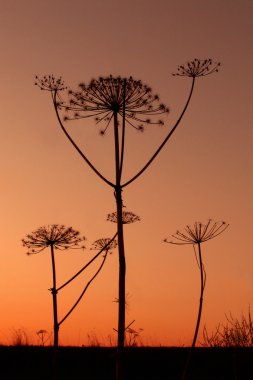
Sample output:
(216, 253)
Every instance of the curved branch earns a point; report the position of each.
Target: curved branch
(86, 265)
(165, 140)
(75, 145)
(86, 287)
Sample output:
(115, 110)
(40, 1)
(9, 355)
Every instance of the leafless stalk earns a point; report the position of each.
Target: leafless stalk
(195, 236)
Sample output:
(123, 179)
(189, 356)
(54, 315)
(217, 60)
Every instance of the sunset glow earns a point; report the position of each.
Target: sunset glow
(203, 172)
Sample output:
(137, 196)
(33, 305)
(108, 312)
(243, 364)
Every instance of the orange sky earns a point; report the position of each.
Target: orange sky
(204, 172)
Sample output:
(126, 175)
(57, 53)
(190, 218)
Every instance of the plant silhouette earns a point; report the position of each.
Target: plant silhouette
(58, 237)
(55, 237)
(122, 103)
(195, 236)
(128, 217)
(50, 236)
(43, 336)
(235, 333)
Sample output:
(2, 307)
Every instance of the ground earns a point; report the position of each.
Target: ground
(141, 363)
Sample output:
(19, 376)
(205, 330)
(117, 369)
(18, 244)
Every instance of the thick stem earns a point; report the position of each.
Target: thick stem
(202, 286)
(122, 273)
(121, 290)
(122, 264)
(54, 295)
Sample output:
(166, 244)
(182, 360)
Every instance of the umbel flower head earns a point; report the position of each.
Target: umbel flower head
(55, 235)
(103, 242)
(198, 68)
(107, 97)
(199, 233)
(127, 217)
(50, 83)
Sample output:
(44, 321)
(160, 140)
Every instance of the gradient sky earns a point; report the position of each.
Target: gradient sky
(204, 172)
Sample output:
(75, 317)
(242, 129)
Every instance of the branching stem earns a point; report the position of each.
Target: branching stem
(86, 265)
(84, 290)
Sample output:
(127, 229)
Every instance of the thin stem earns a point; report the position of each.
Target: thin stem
(86, 287)
(165, 140)
(75, 145)
(202, 287)
(86, 265)
(117, 149)
(54, 295)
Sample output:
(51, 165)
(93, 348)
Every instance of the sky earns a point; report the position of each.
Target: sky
(205, 170)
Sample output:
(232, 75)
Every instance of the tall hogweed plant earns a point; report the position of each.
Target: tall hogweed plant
(118, 103)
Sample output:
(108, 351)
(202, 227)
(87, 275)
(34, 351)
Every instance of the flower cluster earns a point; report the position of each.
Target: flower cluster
(50, 83)
(106, 97)
(104, 243)
(58, 236)
(197, 68)
(199, 233)
(127, 217)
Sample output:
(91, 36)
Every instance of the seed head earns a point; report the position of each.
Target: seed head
(198, 68)
(58, 236)
(103, 242)
(127, 217)
(50, 83)
(199, 233)
(105, 97)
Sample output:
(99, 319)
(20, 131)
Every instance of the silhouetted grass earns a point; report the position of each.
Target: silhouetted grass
(141, 363)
